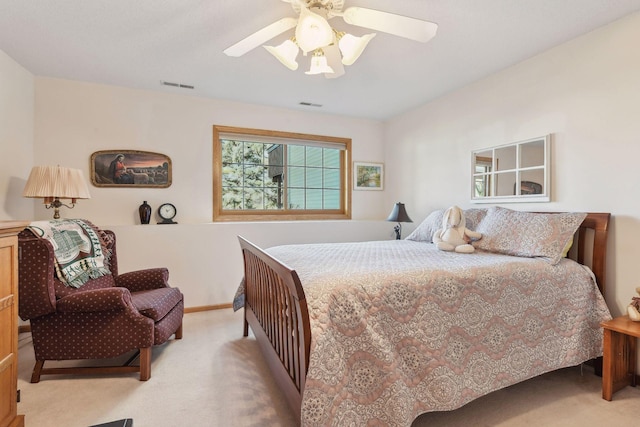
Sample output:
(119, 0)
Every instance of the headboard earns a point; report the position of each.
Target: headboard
(590, 245)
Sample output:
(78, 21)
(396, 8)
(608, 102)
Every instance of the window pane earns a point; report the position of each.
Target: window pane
(232, 175)
(296, 199)
(275, 160)
(296, 155)
(253, 198)
(314, 178)
(271, 199)
(274, 182)
(254, 153)
(314, 199)
(331, 199)
(332, 178)
(314, 156)
(232, 151)
(232, 198)
(253, 176)
(331, 158)
(296, 177)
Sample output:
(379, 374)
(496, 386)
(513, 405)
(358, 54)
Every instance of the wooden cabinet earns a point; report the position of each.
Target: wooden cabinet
(9, 323)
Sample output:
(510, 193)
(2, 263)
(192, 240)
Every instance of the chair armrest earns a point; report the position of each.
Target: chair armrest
(144, 280)
(96, 300)
(35, 284)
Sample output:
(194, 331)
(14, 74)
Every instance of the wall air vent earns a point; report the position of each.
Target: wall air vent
(181, 85)
(310, 104)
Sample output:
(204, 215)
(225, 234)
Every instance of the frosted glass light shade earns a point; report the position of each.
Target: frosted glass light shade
(56, 181)
(286, 52)
(313, 31)
(319, 65)
(352, 47)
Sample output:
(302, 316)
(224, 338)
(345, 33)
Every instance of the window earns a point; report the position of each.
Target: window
(271, 175)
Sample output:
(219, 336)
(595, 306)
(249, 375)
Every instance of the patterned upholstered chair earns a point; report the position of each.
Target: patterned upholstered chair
(106, 317)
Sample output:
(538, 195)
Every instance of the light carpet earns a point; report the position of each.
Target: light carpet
(215, 377)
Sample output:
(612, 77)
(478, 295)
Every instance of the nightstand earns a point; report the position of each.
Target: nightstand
(619, 358)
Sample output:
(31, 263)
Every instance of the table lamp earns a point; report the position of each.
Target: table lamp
(53, 183)
(399, 215)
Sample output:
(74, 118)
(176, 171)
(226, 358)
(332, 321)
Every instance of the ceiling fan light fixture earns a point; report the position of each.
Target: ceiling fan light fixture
(286, 53)
(331, 50)
(319, 64)
(313, 31)
(352, 47)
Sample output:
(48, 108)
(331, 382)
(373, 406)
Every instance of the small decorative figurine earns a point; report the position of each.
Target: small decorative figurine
(633, 309)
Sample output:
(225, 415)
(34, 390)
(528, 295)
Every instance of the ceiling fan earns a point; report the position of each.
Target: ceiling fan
(331, 50)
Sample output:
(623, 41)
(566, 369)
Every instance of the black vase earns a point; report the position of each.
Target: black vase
(145, 213)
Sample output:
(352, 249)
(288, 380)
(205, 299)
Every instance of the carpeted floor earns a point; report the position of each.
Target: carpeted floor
(214, 377)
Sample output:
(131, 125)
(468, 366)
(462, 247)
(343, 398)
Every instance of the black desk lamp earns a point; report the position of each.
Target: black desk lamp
(398, 214)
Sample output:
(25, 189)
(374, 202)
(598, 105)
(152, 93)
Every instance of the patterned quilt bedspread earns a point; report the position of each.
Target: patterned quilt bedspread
(400, 328)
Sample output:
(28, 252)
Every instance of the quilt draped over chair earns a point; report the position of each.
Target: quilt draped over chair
(107, 316)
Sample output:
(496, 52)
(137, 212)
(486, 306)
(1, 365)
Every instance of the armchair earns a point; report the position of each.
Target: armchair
(106, 317)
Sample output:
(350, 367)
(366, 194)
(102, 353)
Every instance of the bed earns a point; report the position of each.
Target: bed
(377, 333)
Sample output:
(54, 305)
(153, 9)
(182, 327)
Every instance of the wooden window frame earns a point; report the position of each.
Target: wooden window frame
(220, 215)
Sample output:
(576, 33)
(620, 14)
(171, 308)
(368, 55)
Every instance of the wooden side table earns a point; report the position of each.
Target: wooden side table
(619, 358)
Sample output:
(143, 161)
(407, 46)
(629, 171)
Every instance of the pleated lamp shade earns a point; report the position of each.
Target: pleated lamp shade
(52, 183)
(56, 181)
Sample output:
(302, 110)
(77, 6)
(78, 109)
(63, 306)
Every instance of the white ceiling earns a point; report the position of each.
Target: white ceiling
(138, 43)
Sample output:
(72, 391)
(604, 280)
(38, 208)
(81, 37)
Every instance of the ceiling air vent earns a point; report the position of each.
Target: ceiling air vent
(181, 85)
(310, 104)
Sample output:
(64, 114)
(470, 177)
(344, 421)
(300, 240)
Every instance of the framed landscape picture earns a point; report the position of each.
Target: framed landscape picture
(368, 176)
(129, 168)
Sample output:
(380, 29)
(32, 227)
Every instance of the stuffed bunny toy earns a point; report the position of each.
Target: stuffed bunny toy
(633, 309)
(454, 235)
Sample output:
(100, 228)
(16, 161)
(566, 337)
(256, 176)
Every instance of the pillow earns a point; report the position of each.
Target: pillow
(567, 248)
(427, 228)
(527, 234)
(473, 217)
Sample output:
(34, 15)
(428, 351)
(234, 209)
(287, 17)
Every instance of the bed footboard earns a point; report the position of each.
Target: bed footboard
(276, 309)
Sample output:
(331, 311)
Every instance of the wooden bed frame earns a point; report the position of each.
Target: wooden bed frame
(276, 308)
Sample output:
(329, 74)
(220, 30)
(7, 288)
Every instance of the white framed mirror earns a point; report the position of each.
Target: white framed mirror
(516, 172)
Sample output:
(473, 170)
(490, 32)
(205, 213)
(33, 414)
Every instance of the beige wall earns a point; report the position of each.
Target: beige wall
(16, 137)
(585, 92)
(75, 119)
(83, 118)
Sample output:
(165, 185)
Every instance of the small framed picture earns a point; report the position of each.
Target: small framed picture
(368, 176)
(130, 168)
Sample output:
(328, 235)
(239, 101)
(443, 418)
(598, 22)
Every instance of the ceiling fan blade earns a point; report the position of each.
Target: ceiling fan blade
(334, 60)
(261, 36)
(398, 25)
